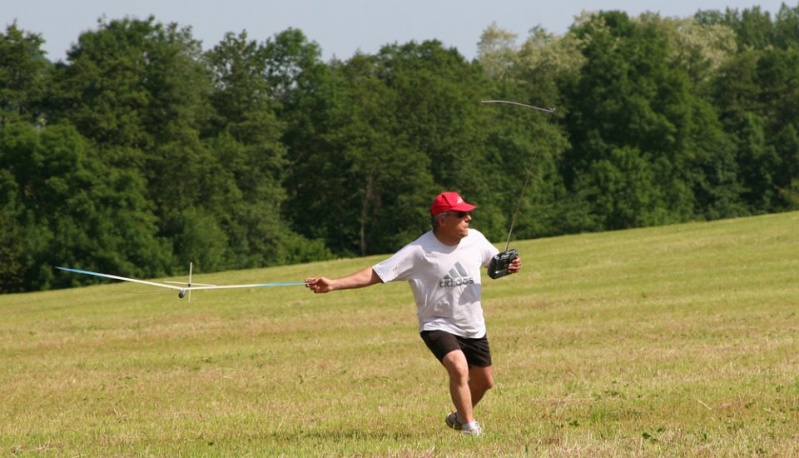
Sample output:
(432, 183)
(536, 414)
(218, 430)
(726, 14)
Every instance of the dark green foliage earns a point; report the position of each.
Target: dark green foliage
(76, 209)
(23, 75)
(143, 152)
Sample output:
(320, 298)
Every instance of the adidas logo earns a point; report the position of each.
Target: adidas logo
(457, 276)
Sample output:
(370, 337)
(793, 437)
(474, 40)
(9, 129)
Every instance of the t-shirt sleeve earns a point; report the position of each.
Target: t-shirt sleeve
(398, 267)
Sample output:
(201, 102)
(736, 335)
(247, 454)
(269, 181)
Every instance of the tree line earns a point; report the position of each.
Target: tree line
(141, 151)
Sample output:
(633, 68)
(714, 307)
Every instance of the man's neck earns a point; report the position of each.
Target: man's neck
(446, 240)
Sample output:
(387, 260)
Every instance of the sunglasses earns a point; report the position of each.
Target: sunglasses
(460, 215)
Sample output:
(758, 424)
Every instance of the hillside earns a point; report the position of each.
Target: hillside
(676, 340)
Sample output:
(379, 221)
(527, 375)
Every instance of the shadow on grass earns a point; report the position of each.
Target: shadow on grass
(340, 435)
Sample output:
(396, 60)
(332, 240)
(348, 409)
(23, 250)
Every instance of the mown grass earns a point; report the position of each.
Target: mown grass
(670, 341)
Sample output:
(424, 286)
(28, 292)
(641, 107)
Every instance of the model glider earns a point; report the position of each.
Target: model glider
(185, 287)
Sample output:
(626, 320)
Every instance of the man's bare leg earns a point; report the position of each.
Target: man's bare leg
(459, 389)
(481, 379)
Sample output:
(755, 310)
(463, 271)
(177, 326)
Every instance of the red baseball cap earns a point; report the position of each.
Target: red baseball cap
(447, 201)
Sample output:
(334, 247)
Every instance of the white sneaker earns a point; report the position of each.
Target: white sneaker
(452, 421)
(476, 431)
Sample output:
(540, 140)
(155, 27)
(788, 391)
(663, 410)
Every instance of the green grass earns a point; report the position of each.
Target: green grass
(669, 341)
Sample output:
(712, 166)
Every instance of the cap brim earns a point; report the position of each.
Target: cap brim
(463, 207)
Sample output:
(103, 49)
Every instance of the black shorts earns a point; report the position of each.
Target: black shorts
(441, 342)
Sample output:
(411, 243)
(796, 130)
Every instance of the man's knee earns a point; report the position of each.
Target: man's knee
(485, 384)
(483, 378)
(456, 365)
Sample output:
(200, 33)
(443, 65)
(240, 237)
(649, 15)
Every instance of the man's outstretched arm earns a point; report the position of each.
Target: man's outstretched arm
(360, 279)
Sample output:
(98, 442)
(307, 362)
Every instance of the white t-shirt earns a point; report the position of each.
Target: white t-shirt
(445, 281)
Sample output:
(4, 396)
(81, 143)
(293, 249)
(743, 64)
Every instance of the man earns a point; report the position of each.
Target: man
(443, 269)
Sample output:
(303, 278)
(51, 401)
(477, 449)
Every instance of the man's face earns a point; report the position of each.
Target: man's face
(458, 223)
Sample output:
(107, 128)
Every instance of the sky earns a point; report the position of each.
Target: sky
(340, 27)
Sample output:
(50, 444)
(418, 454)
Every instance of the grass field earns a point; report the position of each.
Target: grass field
(669, 341)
